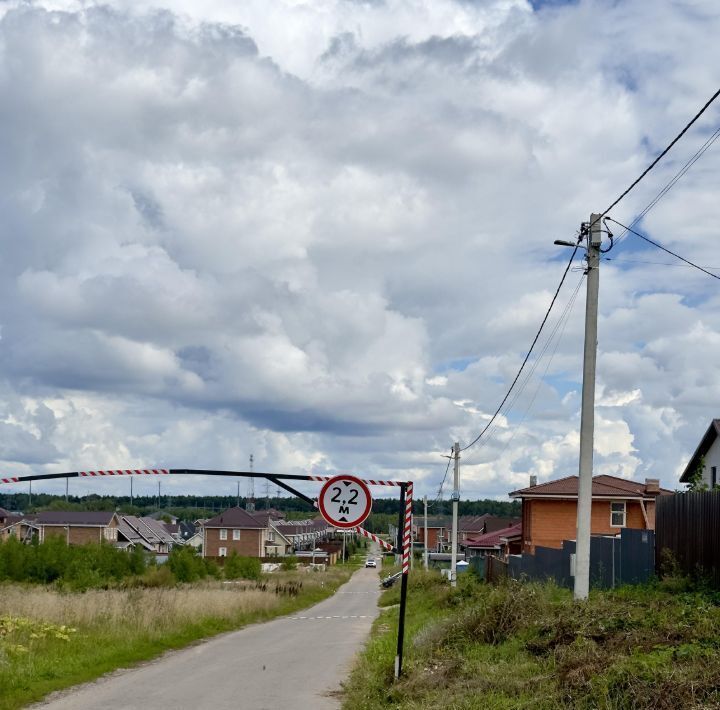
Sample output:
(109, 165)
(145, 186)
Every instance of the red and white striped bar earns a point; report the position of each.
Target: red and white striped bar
(14, 479)
(374, 538)
(407, 529)
(128, 472)
(367, 481)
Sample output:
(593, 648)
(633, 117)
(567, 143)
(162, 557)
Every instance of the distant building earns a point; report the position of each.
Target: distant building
(77, 527)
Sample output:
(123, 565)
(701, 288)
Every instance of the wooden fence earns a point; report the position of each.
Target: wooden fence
(687, 531)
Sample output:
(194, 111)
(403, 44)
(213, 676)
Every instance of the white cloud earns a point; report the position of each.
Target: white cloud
(323, 232)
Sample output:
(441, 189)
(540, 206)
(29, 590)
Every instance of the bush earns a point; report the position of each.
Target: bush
(289, 564)
(237, 567)
(186, 565)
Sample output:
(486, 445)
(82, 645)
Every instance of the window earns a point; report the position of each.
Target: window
(222, 552)
(223, 533)
(236, 534)
(713, 476)
(617, 515)
(271, 536)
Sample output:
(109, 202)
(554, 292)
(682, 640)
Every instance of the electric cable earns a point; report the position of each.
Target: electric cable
(561, 322)
(660, 246)
(664, 152)
(567, 268)
(529, 352)
(673, 181)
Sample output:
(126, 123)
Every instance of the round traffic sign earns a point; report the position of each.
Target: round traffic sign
(345, 501)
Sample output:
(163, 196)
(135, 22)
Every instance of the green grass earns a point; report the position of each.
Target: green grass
(530, 646)
(111, 629)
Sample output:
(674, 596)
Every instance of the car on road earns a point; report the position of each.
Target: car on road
(370, 562)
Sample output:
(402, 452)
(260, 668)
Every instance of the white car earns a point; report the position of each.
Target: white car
(371, 562)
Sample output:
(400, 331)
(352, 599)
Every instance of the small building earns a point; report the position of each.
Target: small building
(549, 510)
(77, 527)
(20, 527)
(499, 543)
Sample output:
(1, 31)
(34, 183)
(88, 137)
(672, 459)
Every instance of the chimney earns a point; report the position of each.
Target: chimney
(533, 481)
(652, 485)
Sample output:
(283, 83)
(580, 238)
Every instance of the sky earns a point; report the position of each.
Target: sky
(322, 233)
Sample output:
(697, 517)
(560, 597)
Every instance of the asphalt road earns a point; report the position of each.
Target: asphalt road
(292, 662)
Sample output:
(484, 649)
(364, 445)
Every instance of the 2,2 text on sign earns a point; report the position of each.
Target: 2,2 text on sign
(345, 501)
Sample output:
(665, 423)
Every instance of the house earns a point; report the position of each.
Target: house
(4, 515)
(234, 529)
(549, 510)
(440, 529)
(19, 526)
(77, 527)
(303, 534)
(145, 532)
(438, 532)
(706, 458)
(475, 525)
(499, 543)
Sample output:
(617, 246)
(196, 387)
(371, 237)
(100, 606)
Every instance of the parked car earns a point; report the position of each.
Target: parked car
(370, 562)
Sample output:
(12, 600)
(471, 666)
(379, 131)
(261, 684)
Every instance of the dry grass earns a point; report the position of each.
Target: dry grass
(118, 627)
(147, 609)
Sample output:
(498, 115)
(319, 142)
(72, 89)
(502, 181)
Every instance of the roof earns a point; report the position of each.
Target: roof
(602, 486)
(706, 442)
(147, 531)
(496, 538)
(85, 518)
(234, 518)
(4, 513)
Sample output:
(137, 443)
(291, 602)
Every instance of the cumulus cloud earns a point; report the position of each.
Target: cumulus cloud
(323, 233)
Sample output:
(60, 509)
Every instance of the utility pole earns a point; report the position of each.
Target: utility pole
(158, 494)
(587, 414)
(238, 493)
(250, 506)
(455, 501)
(131, 490)
(66, 489)
(425, 540)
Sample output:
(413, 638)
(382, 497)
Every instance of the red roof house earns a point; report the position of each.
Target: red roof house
(549, 510)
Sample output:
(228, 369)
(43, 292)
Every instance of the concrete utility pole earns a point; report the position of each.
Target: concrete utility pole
(131, 490)
(587, 415)
(455, 501)
(425, 540)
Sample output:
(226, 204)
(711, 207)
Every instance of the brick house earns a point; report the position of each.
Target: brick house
(439, 529)
(549, 510)
(77, 527)
(235, 529)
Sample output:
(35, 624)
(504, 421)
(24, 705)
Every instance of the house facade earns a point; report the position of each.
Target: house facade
(77, 527)
(549, 510)
(234, 530)
(706, 458)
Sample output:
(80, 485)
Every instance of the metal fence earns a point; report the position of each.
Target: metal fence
(627, 559)
(688, 527)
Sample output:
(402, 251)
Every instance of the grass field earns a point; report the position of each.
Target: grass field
(530, 646)
(51, 639)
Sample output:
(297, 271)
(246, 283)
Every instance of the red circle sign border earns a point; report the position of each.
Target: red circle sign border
(354, 479)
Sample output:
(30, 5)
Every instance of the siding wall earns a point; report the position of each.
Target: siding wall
(250, 543)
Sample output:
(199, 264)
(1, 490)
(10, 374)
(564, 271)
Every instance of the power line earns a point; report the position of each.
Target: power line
(674, 180)
(529, 352)
(567, 268)
(660, 246)
(665, 152)
(561, 323)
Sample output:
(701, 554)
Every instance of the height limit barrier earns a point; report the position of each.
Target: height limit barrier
(403, 546)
